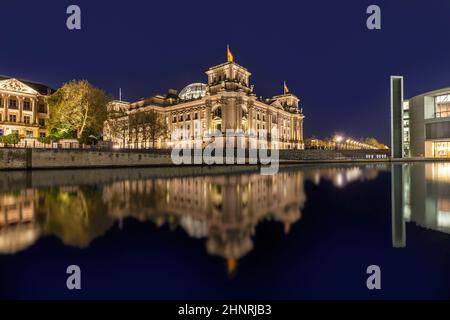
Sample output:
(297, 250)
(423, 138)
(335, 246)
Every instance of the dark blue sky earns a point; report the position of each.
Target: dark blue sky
(338, 68)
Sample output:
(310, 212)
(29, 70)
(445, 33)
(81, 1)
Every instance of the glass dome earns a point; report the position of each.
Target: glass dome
(193, 91)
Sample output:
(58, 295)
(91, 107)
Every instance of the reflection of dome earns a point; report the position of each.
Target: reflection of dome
(193, 91)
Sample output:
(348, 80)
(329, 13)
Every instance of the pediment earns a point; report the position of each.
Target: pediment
(276, 104)
(15, 85)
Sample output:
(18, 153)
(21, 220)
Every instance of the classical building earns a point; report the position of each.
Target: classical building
(23, 108)
(226, 101)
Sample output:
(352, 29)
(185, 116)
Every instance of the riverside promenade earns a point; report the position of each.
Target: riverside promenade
(29, 158)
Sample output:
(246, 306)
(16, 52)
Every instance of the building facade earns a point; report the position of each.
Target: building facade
(23, 107)
(426, 125)
(225, 102)
(420, 126)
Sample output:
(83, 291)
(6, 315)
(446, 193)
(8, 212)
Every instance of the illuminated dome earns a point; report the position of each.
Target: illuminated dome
(193, 91)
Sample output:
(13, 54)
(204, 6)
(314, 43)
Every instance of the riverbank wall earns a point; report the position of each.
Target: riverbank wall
(28, 158)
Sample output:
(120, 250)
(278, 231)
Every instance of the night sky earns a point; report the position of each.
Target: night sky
(324, 51)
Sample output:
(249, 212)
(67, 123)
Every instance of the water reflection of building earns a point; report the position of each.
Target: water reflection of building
(18, 226)
(73, 214)
(341, 176)
(420, 193)
(223, 209)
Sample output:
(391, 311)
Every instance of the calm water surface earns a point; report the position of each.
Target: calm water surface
(307, 232)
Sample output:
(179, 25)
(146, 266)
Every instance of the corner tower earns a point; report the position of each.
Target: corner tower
(228, 76)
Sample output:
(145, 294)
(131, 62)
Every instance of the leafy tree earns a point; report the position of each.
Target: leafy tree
(156, 126)
(76, 215)
(12, 138)
(149, 125)
(76, 107)
(46, 139)
(374, 142)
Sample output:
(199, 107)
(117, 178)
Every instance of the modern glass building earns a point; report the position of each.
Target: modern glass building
(420, 125)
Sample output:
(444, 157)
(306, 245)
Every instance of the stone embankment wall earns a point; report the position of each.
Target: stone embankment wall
(28, 158)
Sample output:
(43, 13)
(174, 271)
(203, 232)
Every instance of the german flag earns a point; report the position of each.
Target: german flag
(229, 55)
(285, 87)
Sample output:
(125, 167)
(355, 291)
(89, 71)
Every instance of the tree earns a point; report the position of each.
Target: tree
(116, 126)
(156, 126)
(10, 139)
(374, 142)
(75, 107)
(149, 125)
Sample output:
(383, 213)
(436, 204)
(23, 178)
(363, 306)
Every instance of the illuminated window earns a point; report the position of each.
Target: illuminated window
(441, 149)
(443, 106)
(26, 119)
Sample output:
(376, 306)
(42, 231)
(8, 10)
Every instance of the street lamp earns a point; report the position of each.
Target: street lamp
(338, 140)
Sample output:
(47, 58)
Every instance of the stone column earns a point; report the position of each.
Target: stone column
(20, 106)
(250, 117)
(208, 117)
(192, 131)
(300, 130)
(269, 126)
(239, 116)
(3, 107)
(225, 109)
(34, 106)
(6, 106)
(227, 114)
